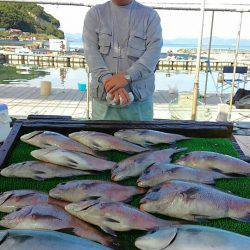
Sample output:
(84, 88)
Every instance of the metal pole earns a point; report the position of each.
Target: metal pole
(209, 57)
(198, 62)
(235, 67)
(88, 94)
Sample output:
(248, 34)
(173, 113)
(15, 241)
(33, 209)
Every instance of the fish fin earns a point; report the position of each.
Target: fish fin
(109, 231)
(38, 178)
(200, 218)
(69, 230)
(93, 198)
(217, 170)
(20, 238)
(39, 172)
(189, 194)
(108, 219)
(246, 218)
(96, 146)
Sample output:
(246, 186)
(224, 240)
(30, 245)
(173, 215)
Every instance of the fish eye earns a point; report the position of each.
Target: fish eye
(147, 171)
(156, 189)
(64, 183)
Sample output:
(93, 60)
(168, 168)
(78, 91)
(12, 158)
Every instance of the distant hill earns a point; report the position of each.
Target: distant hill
(216, 41)
(77, 37)
(29, 17)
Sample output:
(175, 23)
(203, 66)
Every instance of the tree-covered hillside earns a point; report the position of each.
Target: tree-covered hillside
(29, 17)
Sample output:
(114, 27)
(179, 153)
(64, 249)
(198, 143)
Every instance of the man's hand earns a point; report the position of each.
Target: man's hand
(121, 94)
(115, 82)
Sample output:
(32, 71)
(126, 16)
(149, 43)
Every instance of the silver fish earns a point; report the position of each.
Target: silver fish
(159, 173)
(115, 216)
(44, 240)
(135, 165)
(50, 217)
(75, 191)
(194, 202)
(192, 237)
(45, 139)
(145, 137)
(11, 201)
(39, 171)
(214, 161)
(104, 142)
(72, 159)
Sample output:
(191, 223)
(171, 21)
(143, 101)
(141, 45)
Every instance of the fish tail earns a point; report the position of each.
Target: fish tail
(95, 236)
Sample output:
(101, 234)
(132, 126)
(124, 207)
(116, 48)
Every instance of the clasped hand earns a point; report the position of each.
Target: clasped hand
(114, 85)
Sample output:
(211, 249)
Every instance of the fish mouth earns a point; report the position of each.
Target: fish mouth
(54, 193)
(114, 177)
(142, 207)
(139, 183)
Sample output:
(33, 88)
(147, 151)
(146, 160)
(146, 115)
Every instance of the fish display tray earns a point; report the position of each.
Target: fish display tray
(208, 136)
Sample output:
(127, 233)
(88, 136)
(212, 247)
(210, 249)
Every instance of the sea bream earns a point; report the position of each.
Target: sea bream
(115, 216)
(44, 240)
(72, 159)
(194, 202)
(135, 165)
(75, 191)
(145, 137)
(45, 139)
(192, 237)
(39, 171)
(104, 142)
(214, 161)
(161, 172)
(10, 201)
(50, 217)
(13, 200)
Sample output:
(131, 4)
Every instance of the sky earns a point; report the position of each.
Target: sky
(175, 24)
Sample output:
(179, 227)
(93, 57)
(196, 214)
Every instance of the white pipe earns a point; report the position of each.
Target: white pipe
(160, 6)
(198, 62)
(88, 94)
(235, 67)
(209, 56)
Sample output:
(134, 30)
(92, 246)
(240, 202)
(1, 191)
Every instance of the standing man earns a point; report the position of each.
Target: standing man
(122, 45)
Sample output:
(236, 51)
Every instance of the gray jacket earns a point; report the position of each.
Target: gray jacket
(140, 55)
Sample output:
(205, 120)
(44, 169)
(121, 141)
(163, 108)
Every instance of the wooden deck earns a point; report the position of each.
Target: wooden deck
(24, 100)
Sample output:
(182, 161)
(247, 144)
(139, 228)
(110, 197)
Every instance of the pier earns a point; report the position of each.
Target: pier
(76, 61)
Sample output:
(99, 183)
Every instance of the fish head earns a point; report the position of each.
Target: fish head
(31, 136)
(186, 160)
(13, 219)
(157, 239)
(150, 200)
(4, 197)
(88, 211)
(39, 153)
(118, 172)
(12, 169)
(165, 192)
(152, 172)
(125, 134)
(65, 191)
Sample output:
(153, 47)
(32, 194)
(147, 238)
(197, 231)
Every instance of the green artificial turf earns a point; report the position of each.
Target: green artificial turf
(238, 186)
